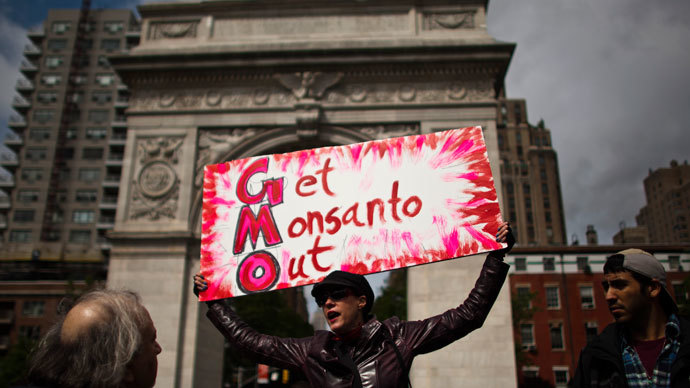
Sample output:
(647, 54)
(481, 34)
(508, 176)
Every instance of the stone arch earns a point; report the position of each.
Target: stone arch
(277, 141)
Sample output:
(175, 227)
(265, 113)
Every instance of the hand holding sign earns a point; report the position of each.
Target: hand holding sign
(286, 220)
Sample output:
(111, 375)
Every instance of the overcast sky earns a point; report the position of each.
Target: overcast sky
(609, 78)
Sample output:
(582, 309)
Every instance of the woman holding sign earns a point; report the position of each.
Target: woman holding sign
(360, 351)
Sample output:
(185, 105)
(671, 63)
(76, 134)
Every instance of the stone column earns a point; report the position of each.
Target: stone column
(155, 253)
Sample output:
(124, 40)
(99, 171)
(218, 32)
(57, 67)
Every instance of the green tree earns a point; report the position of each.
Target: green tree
(393, 299)
(14, 364)
(268, 313)
(522, 311)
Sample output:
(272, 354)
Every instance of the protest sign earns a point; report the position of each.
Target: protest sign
(285, 220)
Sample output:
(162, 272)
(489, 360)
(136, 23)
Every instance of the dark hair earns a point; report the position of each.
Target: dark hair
(614, 264)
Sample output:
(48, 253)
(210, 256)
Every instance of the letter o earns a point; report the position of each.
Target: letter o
(418, 206)
(257, 272)
(291, 227)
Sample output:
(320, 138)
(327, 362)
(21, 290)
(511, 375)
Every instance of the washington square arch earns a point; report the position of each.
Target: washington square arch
(218, 80)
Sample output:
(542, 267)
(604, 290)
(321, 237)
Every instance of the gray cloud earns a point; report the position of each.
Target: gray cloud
(610, 80)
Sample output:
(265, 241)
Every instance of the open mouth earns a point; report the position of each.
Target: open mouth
(332, 315)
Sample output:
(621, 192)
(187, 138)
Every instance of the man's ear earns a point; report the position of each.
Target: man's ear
(362, 302)
(654, 288)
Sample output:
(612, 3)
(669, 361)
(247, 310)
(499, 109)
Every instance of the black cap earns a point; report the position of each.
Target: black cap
(345, 279)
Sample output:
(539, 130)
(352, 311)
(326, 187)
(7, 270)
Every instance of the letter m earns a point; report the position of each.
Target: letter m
(249, 224)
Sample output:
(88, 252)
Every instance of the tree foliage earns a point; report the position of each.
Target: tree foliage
(393, 298)
(522, 311)
(14, 364)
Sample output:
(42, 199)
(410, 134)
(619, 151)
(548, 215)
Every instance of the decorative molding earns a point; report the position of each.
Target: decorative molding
(213, 144)
(308, 84)
(449, 20)
(173, 30)
(385, 131)
(155, 190)
(272, 97)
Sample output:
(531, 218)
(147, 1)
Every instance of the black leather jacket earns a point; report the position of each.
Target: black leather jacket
(374, 356)
(601, 361)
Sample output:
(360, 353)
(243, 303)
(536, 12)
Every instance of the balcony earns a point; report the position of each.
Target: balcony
(6, 182)
(4, 202)
(3, 221)
(24, 85)
(111, 180)
(105, 222)
(16, 121)
(118, 138)
(28, 68)
(103, 243)
(122, 102)
(20, 104)
(108, 202)
(4, 342)
(36, 34)
(13, 141)
(8, 160)
(31, 51)
(119, 121)
(114, 160)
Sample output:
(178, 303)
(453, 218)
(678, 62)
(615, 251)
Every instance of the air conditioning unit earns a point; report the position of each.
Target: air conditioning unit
(529, 348)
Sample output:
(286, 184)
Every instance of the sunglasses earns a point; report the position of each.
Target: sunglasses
(334, 295)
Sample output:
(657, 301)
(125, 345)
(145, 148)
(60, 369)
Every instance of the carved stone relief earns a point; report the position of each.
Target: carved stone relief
(155, 188)
(308, 84)
(384, 131)
(450, 20)
(173, 30)
(213, 144)
(311, 91)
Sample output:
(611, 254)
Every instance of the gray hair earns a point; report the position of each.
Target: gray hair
(99, 355)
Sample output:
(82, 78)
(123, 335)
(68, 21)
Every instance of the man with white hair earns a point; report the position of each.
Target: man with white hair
(105, 340)
(648, 344)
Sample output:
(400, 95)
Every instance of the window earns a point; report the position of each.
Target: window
(530, 372)
(674, 263)
(113, 27)
(680, 293)
(57, 44)
(76, 97)
(53, 61)
(20, 236)
(46, 97)
(23, 215)
(33, 308)
(80, 79)
(526, 188)
(521, 264)
(103, 61)
(582, 263)
(32, 174)
(67, 153)
(27, 196)
(587, 297)
(98, 116)
(101, 97)
(105, 79)
(65, 174)
(523, 293)
(556, 334)
(553, 300)
(36, 153)
(89, 174)
(39, 134)
(71, 133)
(83, 216)
(80, 236)
(86, 196)
(591, 331)
(560, 375)
(61, 27)
(30, 332)
(95, 133)
(92, 153)
(549, 264)
(527, 334)
(43, 115)
(110, 44)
